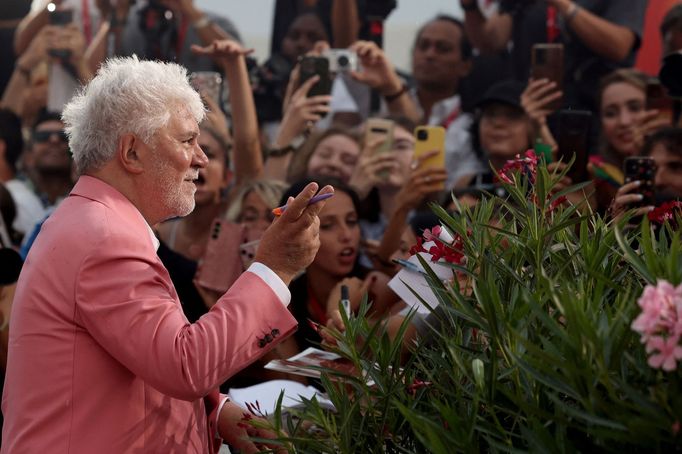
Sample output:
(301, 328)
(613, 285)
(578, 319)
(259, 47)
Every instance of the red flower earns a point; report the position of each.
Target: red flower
(451, 253)
(417, 248)
(528, 165)
(417, 384)
(557, 202)
(665, 212)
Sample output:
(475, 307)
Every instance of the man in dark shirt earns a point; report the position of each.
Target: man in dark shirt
(598, 36)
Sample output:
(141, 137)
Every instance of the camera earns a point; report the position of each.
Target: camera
(422, 134)
(341, 60)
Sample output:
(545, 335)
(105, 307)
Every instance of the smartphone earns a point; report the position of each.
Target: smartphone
(379, 128)
(60, 17)
(247, 252)
(573, 139)
(547, 62)
(657, 98)
(641, 168)
(222, 264)
(430, 138)
(316, 66)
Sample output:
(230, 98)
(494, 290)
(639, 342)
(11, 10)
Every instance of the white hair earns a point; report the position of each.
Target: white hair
(128, 96)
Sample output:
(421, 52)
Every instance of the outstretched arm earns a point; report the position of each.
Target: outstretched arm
(248, 157)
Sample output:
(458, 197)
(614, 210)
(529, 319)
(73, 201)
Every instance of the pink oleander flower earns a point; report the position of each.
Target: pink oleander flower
(432, 234)
(669, 352)
(660, 324)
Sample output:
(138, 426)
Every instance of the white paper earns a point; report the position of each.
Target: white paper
(406, 279)
(268, 392)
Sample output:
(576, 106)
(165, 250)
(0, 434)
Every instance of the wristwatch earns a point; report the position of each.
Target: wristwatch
(294, 145)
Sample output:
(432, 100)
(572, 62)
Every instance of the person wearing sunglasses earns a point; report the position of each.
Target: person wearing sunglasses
(48, 159)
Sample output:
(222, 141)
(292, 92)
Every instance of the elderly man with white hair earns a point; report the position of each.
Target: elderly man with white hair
(101, 356)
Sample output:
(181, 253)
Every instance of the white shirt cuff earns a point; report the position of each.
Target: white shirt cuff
(273, 281)
(222, 403)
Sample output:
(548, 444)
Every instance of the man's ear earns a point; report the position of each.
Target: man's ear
(129, 153)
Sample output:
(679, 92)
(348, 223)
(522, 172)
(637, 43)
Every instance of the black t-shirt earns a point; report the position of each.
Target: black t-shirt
(583, 67)
(181, 271)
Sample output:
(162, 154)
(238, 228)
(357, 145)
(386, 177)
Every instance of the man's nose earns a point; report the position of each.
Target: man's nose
(199, 158)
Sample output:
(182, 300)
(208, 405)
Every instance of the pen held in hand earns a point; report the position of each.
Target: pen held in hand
(318, 198)
(409, 266)
(345, 300)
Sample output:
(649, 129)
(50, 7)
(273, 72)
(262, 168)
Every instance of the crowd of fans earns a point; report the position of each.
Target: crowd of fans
(266, 136)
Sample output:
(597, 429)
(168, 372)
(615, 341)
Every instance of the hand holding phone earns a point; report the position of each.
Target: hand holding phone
(316, 66)
(642, 169)
(430, 139)
(547, 62)
(61, 18)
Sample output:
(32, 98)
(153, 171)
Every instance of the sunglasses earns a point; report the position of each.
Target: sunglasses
(44, 136)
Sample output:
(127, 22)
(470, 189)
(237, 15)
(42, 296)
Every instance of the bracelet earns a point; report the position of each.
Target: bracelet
(472, 6)
(393, 96)
(202, 22)
(573, 10)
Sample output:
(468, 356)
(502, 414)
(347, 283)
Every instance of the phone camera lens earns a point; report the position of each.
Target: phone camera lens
(422, 134)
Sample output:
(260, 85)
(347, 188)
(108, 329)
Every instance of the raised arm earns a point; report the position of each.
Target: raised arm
(248, 157)
(20, 81)
(29, 27)
(345, 23)
(207, 30)
(489, 35)
(604, 38)
(378, 73)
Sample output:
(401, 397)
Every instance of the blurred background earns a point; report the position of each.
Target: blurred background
(254, 21)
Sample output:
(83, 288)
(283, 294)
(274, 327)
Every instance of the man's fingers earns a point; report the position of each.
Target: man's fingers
(313, 210)
(296, 207)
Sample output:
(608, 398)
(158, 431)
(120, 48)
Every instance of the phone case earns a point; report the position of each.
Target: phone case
(247, 252)
(429, 138)
(547, 62)
(573, 140)
(312, 66)
(377, 128)
(222, 264)
(641, 168)
(61, 17)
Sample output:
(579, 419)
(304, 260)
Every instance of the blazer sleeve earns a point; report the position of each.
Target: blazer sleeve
(126, 302)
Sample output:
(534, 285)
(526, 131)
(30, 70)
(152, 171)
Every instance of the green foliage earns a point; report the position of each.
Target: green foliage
(539, 356)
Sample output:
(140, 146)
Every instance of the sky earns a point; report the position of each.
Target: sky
(254, 21)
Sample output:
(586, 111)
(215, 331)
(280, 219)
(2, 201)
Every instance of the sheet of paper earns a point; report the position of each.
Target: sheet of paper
(406, 279)
(268, 392)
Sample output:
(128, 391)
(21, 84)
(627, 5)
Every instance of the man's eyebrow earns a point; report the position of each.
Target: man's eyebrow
(190, 134)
